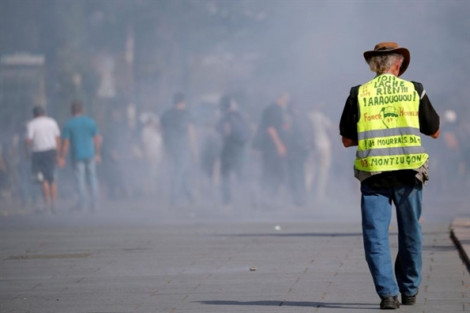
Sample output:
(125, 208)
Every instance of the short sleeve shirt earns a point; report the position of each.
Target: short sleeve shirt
(42, 131)
(80, 131)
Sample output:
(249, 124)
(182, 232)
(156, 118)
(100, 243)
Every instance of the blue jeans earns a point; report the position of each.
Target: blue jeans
(85, 173)
(376, 216)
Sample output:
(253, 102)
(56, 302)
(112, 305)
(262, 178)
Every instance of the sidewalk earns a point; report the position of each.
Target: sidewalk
(460, 234)
(216, 267)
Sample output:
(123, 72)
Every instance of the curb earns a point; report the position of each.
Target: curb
(460, 234)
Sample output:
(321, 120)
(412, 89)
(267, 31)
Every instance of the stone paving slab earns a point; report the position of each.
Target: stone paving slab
(226, 267)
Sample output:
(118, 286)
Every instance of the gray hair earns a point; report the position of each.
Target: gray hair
(382, 63)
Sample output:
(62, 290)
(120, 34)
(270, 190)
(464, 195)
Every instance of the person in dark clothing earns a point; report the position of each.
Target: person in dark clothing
(283, 152)
(235, 134)
(116, 147)
(178, 140)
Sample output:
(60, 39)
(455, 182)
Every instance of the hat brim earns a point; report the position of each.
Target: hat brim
(403, 51)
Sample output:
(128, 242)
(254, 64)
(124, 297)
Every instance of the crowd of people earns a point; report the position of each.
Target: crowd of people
(211, 154)
(217, 155)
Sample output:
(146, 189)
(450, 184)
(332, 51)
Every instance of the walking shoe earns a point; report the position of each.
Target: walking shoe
(389, 303)
(408, 300)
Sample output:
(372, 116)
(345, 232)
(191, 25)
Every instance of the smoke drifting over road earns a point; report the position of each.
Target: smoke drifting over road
(125, 59)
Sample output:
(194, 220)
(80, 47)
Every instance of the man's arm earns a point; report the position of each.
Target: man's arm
(58, 151)
(64, 148)
(281, 148)
(348, 122)
(97, 143)
(429, 121)
(27, 146)
(58, 143)
(28, 142)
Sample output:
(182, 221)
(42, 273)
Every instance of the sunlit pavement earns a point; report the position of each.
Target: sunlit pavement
(267, 260)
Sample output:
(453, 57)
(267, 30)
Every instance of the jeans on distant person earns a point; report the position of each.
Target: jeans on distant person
(231, 161)
(376, 217)
(85, 174)
(180, 185)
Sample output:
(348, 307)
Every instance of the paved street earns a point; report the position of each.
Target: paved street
(90, 262)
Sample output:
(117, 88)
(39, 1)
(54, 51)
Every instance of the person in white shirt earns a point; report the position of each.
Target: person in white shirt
(42, 143)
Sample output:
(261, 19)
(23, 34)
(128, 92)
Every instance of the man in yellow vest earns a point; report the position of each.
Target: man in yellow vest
(384, 119)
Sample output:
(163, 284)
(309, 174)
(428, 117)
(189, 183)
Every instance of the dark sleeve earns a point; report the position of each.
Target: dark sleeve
(428, 118)
(274, 117)
(350, 116)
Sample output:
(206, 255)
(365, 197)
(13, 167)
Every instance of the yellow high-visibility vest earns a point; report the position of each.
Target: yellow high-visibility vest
(388, 127)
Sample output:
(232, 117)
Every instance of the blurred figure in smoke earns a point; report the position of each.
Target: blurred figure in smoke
(178, 136)
(43, 139)
(4, 175)
(115, 151)
(152, 144)
(451, 156)
(281, 138)
(319, 162)
(235, 134)
(210, 146)
(82, 136)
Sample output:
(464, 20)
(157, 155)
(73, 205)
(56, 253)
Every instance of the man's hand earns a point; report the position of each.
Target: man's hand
(281, 149)
(61, 162)
(349, 142)
(436, 134)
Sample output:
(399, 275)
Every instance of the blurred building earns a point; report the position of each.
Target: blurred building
(22, 86)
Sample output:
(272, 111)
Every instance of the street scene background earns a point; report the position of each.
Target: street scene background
(219, 227)
(125, 60)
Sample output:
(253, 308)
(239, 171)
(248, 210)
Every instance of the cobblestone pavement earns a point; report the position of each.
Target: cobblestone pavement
(210, 267)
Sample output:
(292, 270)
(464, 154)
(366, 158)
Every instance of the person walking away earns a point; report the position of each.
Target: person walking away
(178, 135)
(82, 138)
(43, 143)
(116, 155)
(281, 141)
(234, 131)
(384, 118)
(270, 139)
(319, 161)
(152, 146)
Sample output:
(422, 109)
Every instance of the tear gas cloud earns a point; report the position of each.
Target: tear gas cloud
(126, 60)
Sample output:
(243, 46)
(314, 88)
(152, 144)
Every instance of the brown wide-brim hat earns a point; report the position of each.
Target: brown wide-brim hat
(390, 47)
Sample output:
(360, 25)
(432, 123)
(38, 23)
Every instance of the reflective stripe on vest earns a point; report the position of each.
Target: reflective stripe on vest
(388, 126)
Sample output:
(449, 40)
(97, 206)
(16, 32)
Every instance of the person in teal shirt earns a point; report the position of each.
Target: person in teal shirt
(81, 137)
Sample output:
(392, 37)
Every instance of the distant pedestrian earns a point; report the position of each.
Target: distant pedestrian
(152, 145)
(319, 162)
(116, 152)
(235, 134)
(281, 139)
(43, 140)
(384, 118)
(82, 137)
(178, 139)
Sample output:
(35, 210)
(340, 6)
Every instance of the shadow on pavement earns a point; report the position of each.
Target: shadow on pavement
(332, 305)
(298, 235)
